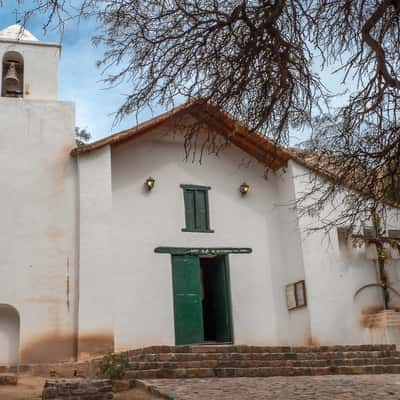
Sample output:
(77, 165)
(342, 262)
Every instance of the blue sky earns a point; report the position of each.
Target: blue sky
(81, 79)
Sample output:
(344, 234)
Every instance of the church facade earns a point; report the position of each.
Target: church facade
(131, 241)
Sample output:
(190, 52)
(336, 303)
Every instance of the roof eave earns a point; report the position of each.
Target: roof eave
(258, 146)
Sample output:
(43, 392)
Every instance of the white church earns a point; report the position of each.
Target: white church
(125, 242)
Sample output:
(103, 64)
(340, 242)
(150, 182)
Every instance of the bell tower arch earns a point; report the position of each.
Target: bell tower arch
(13, 75)
(9, 334)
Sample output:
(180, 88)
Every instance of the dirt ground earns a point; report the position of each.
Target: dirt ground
(136, 394)
(30, 388)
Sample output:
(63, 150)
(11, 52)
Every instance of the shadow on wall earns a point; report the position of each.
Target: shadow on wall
(9, 334)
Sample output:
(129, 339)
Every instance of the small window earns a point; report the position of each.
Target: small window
(296, 295)
(196, 208)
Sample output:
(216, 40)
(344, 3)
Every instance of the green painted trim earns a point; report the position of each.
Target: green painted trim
(228, 288)
(218, 251)
(194, 187)
(198, 230)
(208, 212)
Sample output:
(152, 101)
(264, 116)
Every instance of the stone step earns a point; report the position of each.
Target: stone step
(259, 349)
(180, 373)
(144, 365)
(259, 361)
(266, 356)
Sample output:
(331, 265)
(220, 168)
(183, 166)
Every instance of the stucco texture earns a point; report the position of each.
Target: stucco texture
(38, 230)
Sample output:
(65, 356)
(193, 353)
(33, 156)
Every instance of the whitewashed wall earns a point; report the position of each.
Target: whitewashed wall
(38, 225)
(293, 325)
(96, 272)
(140, 281)
(145, 220)
(333, 276)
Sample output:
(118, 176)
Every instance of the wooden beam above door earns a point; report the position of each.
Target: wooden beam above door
(194, 251)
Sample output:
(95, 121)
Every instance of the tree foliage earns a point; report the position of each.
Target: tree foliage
(82, 136)
(114, 366)
(261, 61)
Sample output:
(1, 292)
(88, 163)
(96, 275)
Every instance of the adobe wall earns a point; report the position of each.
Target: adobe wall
(38, 259)
(97, 268)
(294, 324)
(334, 274)
(126, 288)
(142, 221)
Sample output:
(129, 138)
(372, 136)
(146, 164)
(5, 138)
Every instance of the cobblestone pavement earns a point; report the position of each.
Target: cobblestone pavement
(354, 387)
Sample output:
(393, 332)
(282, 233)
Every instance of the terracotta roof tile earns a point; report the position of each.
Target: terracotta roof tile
(255, 144)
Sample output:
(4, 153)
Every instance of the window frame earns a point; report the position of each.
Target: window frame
(205, 190)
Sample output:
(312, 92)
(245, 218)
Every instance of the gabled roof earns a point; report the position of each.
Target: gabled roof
(253, 143)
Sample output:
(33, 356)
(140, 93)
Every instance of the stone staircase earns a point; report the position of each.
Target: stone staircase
(203, 361)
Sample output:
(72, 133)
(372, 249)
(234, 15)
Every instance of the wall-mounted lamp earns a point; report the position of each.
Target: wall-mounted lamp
(244, 188)
(150, 183)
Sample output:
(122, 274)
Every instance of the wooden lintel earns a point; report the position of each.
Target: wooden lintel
(198, 251)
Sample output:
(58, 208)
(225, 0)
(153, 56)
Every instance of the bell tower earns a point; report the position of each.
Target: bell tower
(29, 68)
(38, 234)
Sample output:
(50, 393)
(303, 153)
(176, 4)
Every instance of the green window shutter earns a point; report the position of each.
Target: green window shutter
(189, 197)
(196, 208)
(201, 211)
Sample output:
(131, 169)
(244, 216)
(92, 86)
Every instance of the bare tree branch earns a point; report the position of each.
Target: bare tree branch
(260, 61)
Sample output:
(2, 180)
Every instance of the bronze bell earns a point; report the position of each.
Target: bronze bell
(11, 74)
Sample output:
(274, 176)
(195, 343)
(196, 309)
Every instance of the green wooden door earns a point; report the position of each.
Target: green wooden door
(187, 300)
(223, 323)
